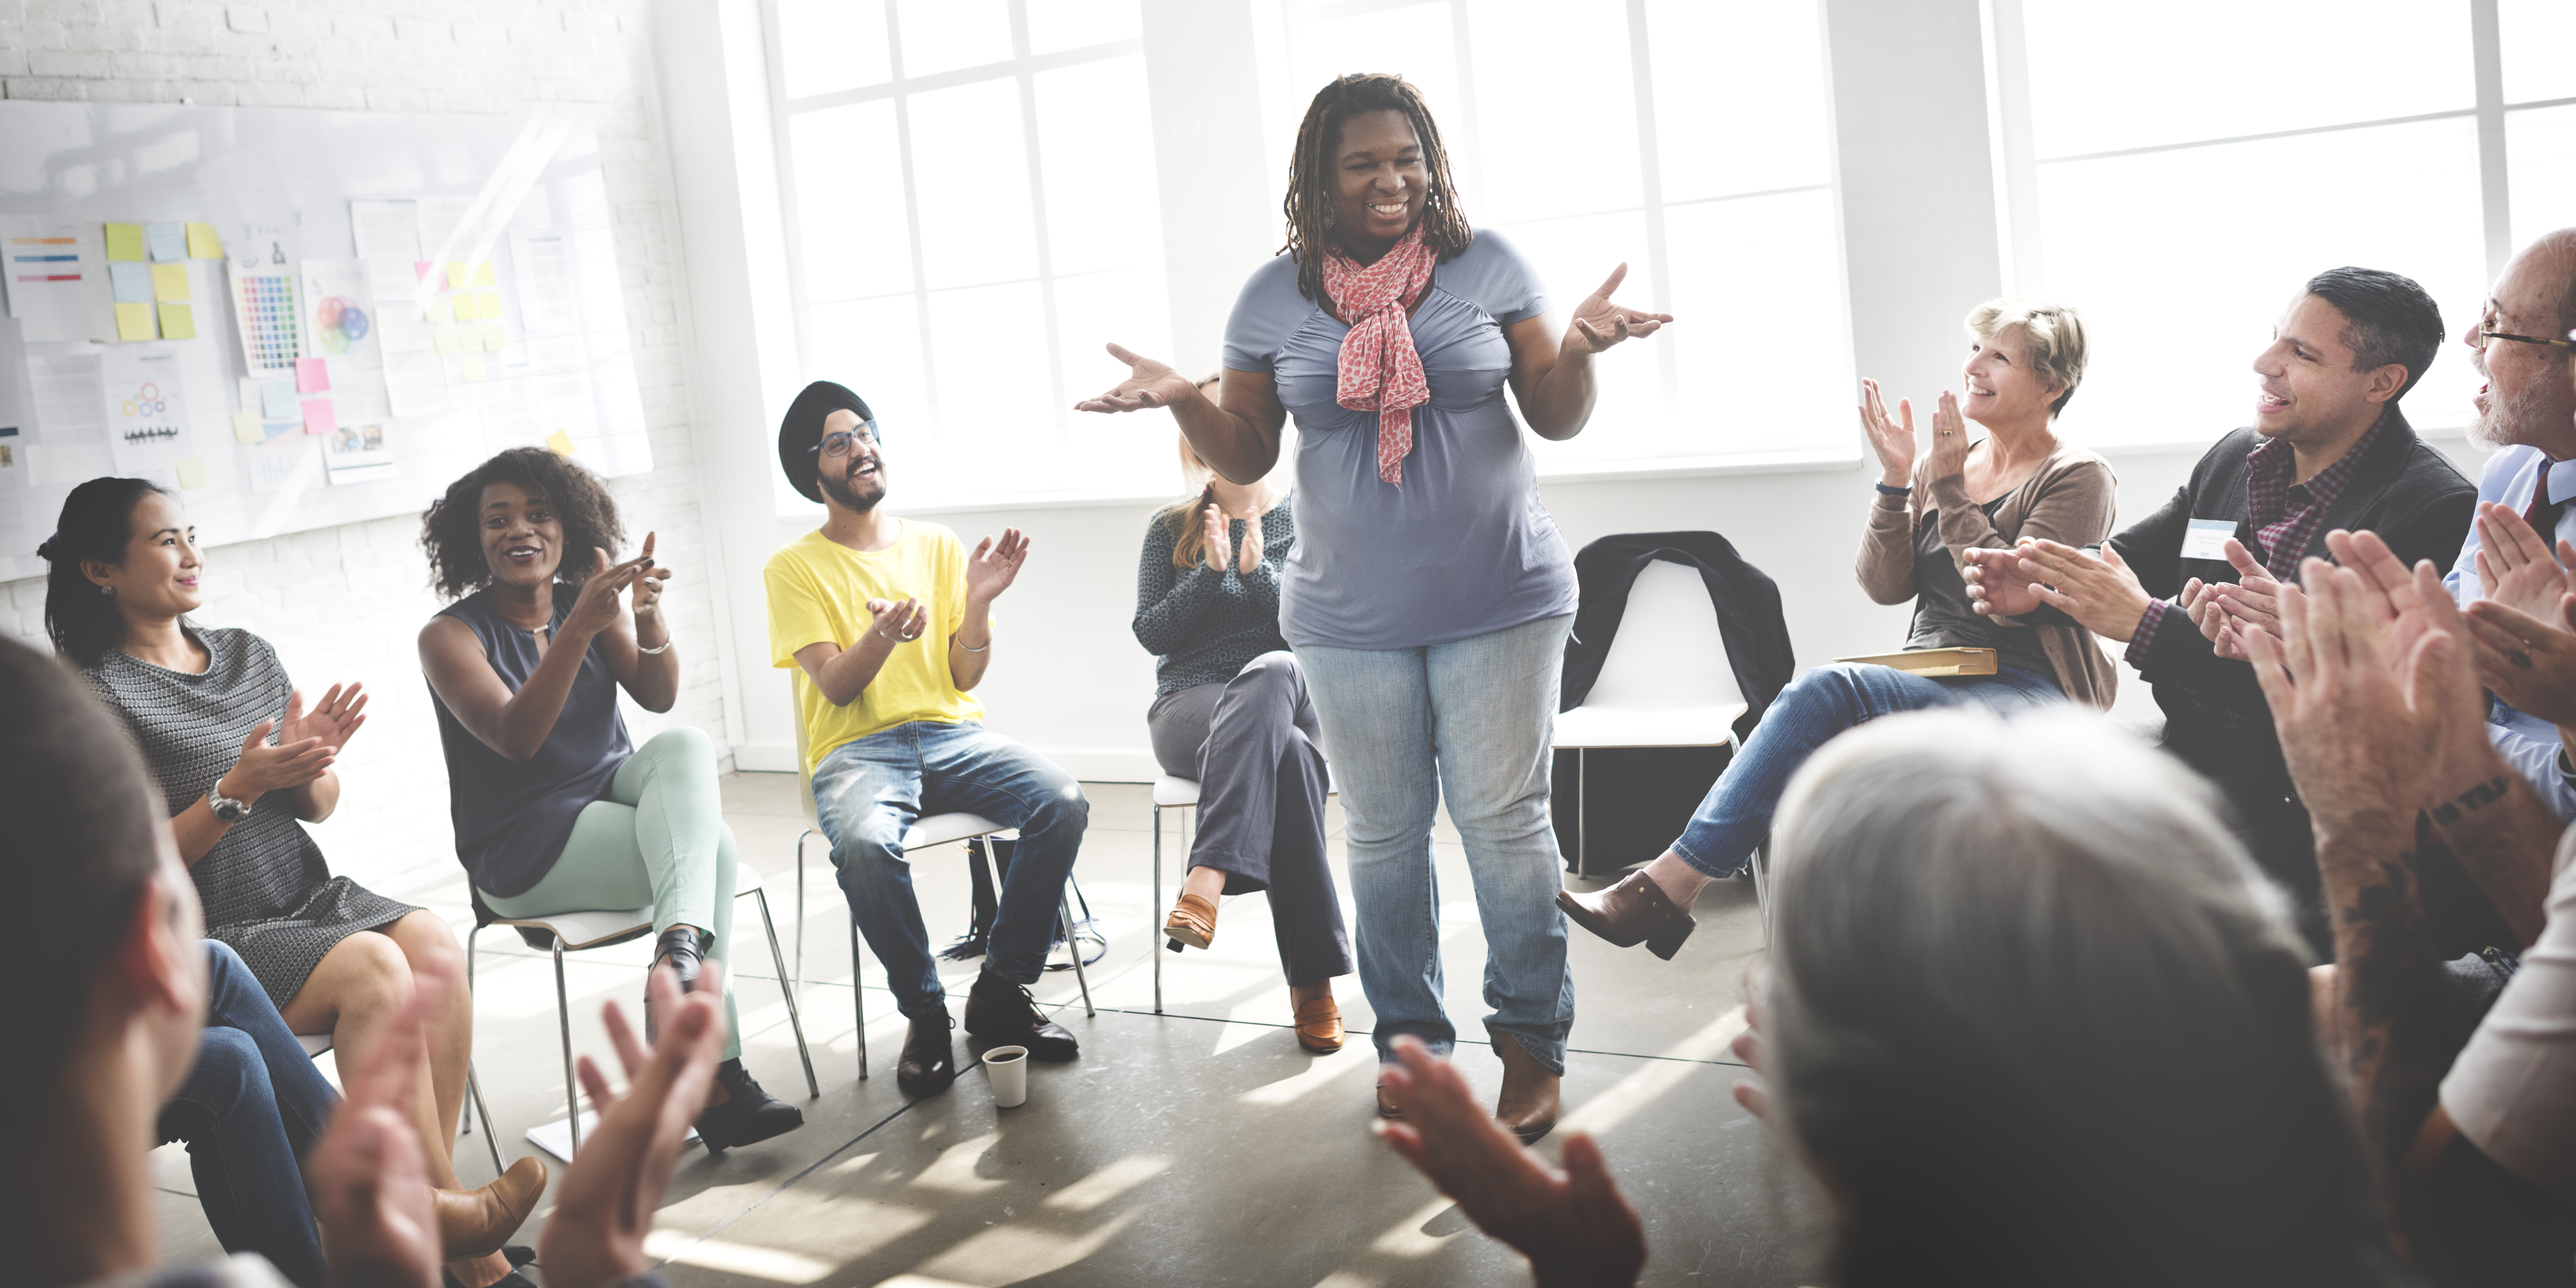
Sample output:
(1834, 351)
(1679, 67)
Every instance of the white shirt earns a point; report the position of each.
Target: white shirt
(2512, 1091)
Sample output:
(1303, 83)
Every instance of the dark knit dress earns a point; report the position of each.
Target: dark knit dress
(267, 891)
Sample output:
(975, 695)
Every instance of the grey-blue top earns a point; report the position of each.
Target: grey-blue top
(1463, 548)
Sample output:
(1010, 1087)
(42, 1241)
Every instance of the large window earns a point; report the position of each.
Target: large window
(971, 208)
(1688, 138)
(2177, 179)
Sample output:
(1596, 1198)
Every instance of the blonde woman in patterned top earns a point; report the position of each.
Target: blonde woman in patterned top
(242, 763)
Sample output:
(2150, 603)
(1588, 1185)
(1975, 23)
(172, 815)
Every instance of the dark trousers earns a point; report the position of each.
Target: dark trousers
(1256, 748)
(253, 1104)
(2273, 825)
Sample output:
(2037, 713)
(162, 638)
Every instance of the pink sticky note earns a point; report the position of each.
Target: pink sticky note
(311, 377)
(318, 416)
(420, 268)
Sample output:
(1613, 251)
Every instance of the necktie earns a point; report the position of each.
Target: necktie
(2542, 514)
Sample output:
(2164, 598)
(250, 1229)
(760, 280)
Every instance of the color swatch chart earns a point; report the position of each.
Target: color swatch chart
(45, 259)
(266, 302)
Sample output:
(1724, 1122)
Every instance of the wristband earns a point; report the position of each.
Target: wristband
(1885, 490)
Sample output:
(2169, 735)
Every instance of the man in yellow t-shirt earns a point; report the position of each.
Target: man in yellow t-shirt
(887, 626)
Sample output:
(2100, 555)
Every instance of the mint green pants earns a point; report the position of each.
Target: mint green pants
(659, 838)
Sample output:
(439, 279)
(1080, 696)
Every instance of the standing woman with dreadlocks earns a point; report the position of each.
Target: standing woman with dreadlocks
(1429, 595)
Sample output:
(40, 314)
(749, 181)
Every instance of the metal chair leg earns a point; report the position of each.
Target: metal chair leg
(800, 906)
(859, 999)
(563, 1016)
(491, 1134)
(1152, 949)
(794, 1021)
(1074, 946)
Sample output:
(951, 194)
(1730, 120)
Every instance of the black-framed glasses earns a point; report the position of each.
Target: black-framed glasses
(2487, 333)
(838, 444)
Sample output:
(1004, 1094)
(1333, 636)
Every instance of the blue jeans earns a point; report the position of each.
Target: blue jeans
(867, 794)
(253, 1104)
(1735, 817)
(1471, 721)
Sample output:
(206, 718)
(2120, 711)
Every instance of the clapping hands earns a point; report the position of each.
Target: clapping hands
(1247, 558)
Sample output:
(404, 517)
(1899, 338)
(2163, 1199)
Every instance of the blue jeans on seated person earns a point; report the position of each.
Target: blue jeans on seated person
(867, 794)
(1735, 817)
(252, 1106)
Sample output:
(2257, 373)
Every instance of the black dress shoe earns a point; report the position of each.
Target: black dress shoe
(684, 950)
(1003, 1013)
(929, 1061)
(748, 1116)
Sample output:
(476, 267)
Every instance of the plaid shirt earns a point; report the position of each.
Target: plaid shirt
(2284, 515)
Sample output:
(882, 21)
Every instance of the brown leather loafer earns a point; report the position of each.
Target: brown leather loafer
(1387, 1108)
(1319, 1026)
(1635, 909)
(475, 1223)
(1193, 922)
(1529, 1100)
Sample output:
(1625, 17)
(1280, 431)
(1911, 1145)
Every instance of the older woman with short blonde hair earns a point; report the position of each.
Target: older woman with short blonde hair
(2017, 481)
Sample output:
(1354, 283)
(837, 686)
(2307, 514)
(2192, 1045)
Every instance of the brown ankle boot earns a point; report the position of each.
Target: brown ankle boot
(1529, 1100)
(476, 1223)
(1632, 910)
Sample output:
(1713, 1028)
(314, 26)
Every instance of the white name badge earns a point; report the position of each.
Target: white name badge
(2207, 539)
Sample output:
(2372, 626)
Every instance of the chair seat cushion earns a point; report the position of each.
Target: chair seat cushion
(1170, 792)
(940, 829)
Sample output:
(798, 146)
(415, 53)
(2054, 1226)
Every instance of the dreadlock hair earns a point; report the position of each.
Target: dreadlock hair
(1309, 206)
(451, 530)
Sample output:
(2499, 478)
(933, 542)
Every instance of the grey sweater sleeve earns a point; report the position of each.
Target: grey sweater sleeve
(1171, 602)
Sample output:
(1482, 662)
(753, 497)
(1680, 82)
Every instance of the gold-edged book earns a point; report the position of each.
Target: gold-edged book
(1934, 661)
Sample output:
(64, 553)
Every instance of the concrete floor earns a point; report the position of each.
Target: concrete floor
(1199, 1146)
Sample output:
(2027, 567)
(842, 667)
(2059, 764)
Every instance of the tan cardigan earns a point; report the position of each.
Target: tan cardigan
(2068, 499)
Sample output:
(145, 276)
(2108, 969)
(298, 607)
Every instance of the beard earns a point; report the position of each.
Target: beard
(2523, 417)
(853, 498)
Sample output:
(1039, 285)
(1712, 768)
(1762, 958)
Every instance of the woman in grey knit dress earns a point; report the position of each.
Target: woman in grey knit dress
(202, 704)
(1230, 710)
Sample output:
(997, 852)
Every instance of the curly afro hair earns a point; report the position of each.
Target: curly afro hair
(451, 530)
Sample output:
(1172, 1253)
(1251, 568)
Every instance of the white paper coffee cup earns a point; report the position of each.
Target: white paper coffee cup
(1007, 1068)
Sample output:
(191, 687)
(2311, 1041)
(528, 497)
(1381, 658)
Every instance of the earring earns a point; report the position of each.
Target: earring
(107, 590)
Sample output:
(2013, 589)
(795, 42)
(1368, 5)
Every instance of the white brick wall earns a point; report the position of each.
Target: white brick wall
(346, 603)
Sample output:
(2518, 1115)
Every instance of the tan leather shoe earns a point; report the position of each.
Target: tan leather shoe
(1387, 1108)
(1632, 910)
(1528, 1103)
(476, 1223)
(1319, 1026)
(1193, 922)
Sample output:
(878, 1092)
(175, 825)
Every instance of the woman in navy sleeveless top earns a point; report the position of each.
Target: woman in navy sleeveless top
(556, 809)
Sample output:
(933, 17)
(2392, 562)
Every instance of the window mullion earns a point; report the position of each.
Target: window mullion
(1650, 171)
(2494, 186)
(1038, 211)
(912, 219)
(790, 215)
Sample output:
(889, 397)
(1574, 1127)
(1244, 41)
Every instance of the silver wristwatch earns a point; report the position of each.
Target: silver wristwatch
(225, 807)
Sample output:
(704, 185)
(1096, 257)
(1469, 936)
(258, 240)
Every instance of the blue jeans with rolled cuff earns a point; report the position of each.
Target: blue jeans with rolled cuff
(252, 1106)
(1735, 816)
(1472, 721)
(867, 794)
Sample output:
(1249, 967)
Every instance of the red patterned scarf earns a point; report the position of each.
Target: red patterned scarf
(1379, 369)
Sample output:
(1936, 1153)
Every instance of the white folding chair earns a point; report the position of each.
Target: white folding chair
(575, 931)
(927, 831)
(1664, 683)
(316, 1043)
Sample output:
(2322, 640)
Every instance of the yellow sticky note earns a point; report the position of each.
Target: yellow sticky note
(473, 366)
(192, 473)
(491, 303)
(451, 338)
(178, 322)
(133, 321)
(462, 305)
(559, 443)
(203, 243)
(483, 272)
(455, 273)
(495, 337)
(170, 281)
(246, 428)
(125, 241)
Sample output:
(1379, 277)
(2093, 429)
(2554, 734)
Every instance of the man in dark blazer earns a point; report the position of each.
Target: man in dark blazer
(2328, 450)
